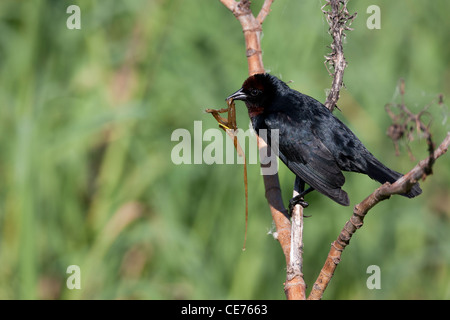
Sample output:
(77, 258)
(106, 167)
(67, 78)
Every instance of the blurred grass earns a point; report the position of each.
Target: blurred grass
(85, 124)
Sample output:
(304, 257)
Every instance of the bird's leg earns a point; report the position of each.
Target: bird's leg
(299, 186)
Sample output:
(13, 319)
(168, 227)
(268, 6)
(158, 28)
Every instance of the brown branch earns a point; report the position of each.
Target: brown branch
(265, 10)
(401, 186)
(252, 32)
(252, 28)
(339, 20)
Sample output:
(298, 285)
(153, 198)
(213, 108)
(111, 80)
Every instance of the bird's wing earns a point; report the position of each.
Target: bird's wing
(305, 155)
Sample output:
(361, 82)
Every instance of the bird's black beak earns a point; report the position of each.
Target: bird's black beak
(238, 95)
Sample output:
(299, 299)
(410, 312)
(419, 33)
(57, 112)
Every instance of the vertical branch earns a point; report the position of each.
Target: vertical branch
(339, 20)
(252, 28)
(295, 267)
(252, 31)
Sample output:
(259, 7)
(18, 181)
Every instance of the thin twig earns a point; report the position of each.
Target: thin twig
(265, 10)
(405, 121)
(339, 20)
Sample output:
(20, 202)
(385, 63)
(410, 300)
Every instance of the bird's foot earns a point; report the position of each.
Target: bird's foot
(297, 200)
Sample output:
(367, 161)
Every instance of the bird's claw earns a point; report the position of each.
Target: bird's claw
(297, 200)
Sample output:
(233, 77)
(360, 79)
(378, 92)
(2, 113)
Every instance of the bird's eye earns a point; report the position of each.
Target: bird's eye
(254, 92)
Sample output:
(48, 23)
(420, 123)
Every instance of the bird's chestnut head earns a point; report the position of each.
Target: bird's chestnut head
(254, 90)
(259, 90)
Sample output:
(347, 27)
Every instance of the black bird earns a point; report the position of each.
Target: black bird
(314, 144)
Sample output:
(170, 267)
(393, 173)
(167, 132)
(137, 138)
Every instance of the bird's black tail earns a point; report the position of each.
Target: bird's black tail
(379, 172)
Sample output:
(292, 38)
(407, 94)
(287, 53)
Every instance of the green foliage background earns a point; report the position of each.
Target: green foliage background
(86, 118)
